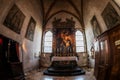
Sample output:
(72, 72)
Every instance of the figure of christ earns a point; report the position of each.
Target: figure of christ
(67, 42)
(69, 46)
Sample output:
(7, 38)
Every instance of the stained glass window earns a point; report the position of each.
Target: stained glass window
(48, 42)
(79, 41)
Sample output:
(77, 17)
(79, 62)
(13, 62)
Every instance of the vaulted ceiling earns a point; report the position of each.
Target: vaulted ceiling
(51, 8)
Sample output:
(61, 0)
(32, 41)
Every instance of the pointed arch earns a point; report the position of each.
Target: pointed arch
(79, 41)
(48, 42)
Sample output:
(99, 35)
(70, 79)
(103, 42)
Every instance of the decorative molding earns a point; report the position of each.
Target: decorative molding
(69, 23)
(117, 2)
(61, 12)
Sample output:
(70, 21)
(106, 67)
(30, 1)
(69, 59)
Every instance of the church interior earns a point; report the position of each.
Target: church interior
(59, 39)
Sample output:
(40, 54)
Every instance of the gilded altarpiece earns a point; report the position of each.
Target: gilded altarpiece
(64, 38)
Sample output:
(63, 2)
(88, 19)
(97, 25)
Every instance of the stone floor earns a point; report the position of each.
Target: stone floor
(38, 75)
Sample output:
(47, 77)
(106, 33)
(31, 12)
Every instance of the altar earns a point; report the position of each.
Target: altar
(64, 62)
(64, 66)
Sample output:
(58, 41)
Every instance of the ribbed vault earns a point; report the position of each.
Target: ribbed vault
(50, 8)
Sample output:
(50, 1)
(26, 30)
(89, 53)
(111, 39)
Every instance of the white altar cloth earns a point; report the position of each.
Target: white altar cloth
(70, 58)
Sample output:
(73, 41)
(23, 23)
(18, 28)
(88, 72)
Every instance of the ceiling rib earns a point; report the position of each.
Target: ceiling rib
(42, 11)
(78, 14)
(50, 8)
(73, 5)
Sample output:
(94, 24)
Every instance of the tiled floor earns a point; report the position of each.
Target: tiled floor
(38, 75)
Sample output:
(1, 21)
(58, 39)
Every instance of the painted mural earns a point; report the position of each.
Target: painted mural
(110, 16)
(64, 40)
(30, 29)
(14, 19)
(95, 27)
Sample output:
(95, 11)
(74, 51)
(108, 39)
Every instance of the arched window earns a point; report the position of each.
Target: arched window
(48, 42)
(79, 41)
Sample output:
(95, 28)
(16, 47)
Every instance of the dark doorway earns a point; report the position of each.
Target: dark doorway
(8, 53)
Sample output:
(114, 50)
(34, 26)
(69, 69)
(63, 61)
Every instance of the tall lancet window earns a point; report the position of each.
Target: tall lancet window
(48, 42)
(79, 41)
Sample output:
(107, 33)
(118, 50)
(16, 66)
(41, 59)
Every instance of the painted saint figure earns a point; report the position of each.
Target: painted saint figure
(64, 42)
(69, 48)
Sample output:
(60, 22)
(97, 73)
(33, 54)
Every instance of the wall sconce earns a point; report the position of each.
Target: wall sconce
(92, 52)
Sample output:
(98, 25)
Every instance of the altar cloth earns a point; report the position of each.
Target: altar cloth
(70, 58)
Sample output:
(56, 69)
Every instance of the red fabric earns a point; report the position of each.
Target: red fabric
(1, 41)
(17, 50)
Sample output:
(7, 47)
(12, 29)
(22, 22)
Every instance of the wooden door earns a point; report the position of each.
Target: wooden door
(115, 53)
(104, 57)
(97, 57)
